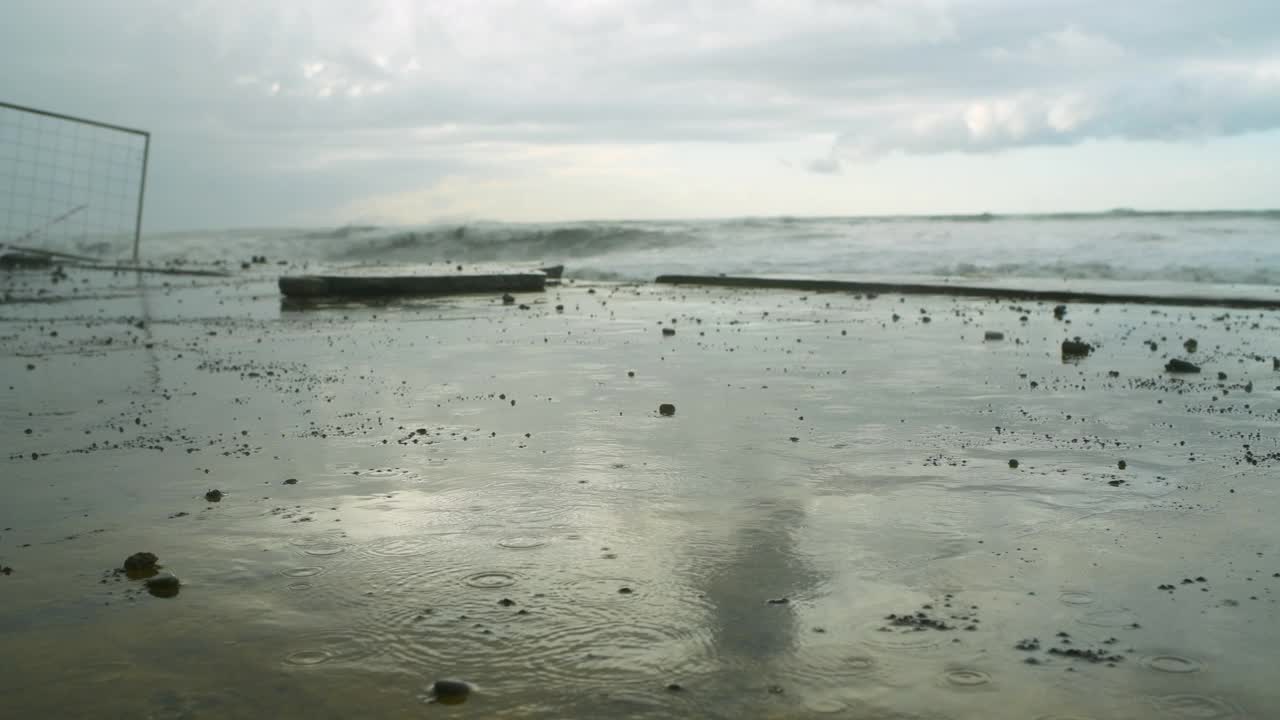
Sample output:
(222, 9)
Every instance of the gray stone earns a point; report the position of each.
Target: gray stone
(1076, 348)
(450, 692)
(164, 585)
(141, 562)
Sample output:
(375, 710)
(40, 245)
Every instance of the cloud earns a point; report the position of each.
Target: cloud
(362, 92)
(828, 165)
(1193, 102)
(1069, 46)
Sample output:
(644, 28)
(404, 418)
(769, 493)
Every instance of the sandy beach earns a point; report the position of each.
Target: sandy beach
(831, 524)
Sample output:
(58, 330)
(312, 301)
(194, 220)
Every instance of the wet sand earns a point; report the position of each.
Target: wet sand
(828, 526)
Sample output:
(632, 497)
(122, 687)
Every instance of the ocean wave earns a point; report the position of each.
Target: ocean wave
(1220, 247)
(340, 233)
(491, 243)
(1108, 271)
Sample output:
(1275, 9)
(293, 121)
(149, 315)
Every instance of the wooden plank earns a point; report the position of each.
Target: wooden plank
(373, 285)
(1063, 296)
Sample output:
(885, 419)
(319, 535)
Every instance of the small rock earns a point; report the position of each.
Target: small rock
(625, 591)
(164, 585)
(141, 562)
(1013, 464)
(667, 409)
(1222, 375)
(675, 687)
(214, 495)
(1181, 366)
(1122, 465)
(291, 481)
(506, 602)
(1190, 345)
(993, 335)
(668, 332)
(1060, 312)
(450, 692)
(508, 299)
(780, 601)
(1076, 348)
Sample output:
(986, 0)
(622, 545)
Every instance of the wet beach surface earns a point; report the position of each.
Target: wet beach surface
(830, 523)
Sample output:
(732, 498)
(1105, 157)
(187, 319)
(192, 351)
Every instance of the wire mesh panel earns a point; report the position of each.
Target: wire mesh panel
(70, 184)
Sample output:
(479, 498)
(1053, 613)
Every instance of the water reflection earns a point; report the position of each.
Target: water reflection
(753, 596)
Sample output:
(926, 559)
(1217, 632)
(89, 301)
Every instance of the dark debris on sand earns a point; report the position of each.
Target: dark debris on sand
(1076, 348)
(921, 620)
(1181, 366)
(141, 562)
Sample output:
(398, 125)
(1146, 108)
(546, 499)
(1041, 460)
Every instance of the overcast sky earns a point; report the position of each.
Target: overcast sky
(317, 112)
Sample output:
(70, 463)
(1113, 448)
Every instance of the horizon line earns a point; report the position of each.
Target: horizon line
(1118, 212)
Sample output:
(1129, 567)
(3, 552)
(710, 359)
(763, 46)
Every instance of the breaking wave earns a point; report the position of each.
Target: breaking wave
(510, 243)
(1211, 247)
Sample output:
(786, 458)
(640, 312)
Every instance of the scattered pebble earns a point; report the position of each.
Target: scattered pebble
(450, 692)
(1076, 348)
(165, 585)
(1177, 365)
(141, 562)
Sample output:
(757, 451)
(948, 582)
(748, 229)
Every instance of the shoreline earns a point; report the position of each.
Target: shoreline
(826, 466)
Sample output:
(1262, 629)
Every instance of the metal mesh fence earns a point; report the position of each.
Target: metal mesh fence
(70, 184)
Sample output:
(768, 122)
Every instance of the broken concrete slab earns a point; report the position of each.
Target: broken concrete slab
(1009, 293)
(435, 281)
